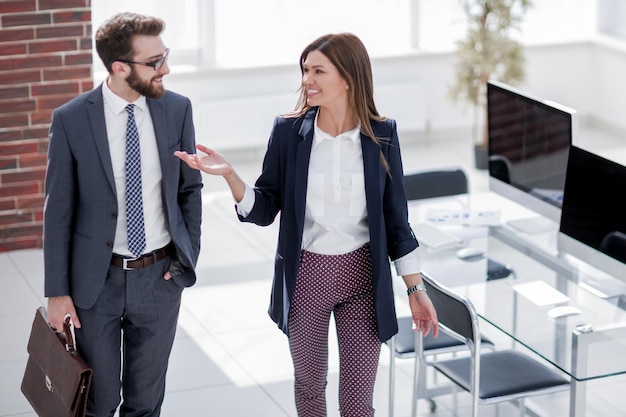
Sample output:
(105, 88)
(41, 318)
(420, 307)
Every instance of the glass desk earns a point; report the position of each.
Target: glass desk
(540, 307)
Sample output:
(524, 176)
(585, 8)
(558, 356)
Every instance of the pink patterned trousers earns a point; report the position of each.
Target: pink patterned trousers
(342, 285)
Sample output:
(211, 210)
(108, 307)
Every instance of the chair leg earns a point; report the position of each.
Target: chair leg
(455, 399)
(420, 370)
(522, 407)
(417, 372)
(392, 374)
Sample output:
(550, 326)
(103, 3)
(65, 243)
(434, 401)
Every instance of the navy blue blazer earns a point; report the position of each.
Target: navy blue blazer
(80, 211)
(282, 187)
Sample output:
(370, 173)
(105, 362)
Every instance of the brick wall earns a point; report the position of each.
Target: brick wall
(45, 60)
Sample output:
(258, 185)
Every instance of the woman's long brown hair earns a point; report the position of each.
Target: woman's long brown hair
(348, 54)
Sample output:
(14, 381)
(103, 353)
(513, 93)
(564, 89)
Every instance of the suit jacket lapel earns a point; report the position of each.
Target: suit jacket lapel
(374, 178)
(372, 170)
(158, 114)
(303, 155)
(95, 112)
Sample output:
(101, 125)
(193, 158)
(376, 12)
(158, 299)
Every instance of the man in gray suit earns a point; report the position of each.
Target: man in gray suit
(118, 268)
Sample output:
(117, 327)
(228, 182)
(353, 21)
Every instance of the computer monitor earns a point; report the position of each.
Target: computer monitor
(529, 140)
(593, 216)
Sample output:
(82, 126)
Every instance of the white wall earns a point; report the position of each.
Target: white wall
(235, 108)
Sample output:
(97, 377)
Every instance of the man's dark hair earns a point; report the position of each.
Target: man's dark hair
(114, 37)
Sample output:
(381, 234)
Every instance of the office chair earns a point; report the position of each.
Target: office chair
(402, 346)
(500, 168)
(418, 185)
(442, 182)
(438, 182)
(490, 377)
(614, 244)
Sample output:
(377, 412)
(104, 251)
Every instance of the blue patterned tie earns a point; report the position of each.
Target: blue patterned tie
(134, 203)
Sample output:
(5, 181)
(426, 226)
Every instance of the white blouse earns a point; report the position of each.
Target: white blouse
(335, 219)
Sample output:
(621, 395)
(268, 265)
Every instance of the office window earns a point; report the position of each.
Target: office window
(275, 31)
(248, 33)
(182, 32)
(612, 18)
(243, 33)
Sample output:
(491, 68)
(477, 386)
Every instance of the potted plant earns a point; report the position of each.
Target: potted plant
(487, 52)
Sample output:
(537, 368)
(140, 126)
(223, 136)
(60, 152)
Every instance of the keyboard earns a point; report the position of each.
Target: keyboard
(435, 238)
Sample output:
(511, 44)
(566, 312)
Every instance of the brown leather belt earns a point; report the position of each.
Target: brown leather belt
(153, 257)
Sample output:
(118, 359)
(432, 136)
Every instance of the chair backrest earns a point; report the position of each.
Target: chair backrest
(500, 168)
(435, 183)
(614, 244)
(454, 312)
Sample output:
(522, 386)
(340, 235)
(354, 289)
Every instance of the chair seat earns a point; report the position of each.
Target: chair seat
(405, 340)
(503, 373)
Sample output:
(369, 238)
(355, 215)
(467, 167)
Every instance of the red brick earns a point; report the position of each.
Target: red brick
(60, 32)
(30, 202)
(18, 148)
(73, 73)
(43, 146)
(17, 6)
(47, 89)
(12, 49)
(23, 176)
(8, 163)
(14, 120)
(10, 135)
(17, 106)
(35, 133)
(86, 86)
(26, 19)
(51, 103)
(33, 242)
(52, 46)
(12, 93)
(48, 78)
(16, 217)
(19, 77)
(38, 214)
(6, 64)
(7, 204)
(85, 44)
(30, 229)
(63, 4)
(73, 16)
(16, 34)
(79, 59)
(45, 61)
(13, 190)
(41, 118)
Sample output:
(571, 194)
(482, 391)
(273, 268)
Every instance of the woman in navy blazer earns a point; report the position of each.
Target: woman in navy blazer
(333, 170)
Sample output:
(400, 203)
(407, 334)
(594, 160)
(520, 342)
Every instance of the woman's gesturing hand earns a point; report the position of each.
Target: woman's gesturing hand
(212, 163)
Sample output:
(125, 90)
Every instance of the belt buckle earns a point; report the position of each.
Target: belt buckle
(125, 262)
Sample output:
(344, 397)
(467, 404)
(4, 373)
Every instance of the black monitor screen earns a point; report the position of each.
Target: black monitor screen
(529, 141)
(594, 211)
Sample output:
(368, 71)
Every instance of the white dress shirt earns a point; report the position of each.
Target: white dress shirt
(116, 119)
(335, 219)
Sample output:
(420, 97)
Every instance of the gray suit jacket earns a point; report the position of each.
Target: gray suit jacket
(80, 210)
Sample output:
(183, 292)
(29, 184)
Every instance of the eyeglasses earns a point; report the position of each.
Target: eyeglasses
(157, 65)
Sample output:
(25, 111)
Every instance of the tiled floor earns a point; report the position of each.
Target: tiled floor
(229, 358)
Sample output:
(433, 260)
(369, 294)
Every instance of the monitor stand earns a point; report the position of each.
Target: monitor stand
(603, 287)
(534, 225)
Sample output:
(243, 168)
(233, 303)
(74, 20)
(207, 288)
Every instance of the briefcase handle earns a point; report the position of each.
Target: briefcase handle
(70, 346)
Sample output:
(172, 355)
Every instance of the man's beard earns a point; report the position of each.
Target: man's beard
(145, 88)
